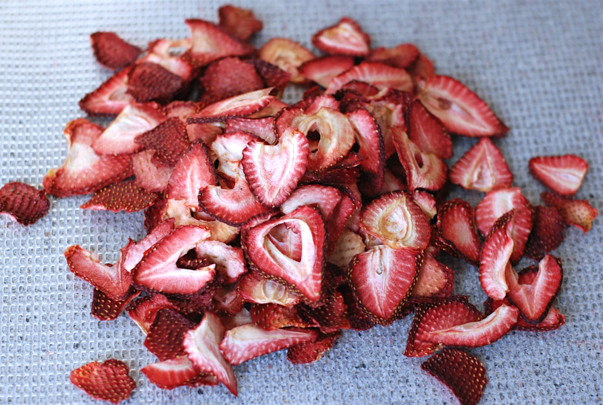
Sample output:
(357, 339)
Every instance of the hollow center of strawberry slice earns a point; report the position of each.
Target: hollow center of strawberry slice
(287, 239)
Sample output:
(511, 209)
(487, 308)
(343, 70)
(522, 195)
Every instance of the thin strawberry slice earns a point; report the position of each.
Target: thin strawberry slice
(191, 175)
(172, 373)
(233, 206)
(169, 140)
(322, 70)
(136, 119)
(195, 305)
(202, 345)
(158, 271)
(346, 208)
(105, 308)
(263, 128)
(422, 69)
(181, 109)
(495, 258)
(287, 55)
(229, 261)
(389, 110)
(241, 23)
(274, 107)
(166, 53)
(273, 171)
(310, 352)
(401, 56)
(84, 171)
(344, 38)
(373, 73)
(228, 148)
(462, 373)
(148, 81)
(144, 310)
(110, 98)
(456, 224)
(259, 290)
(318, 102)
(229, 77)
(206, 133)
(459, 109)
(578, 213)
(116, 197)
(562, 174)
(305, 274)
(547, 232)
(166, 334)
(274, 316)
(273, 76)
(357, 87)
(113, 52)
(428, 132)
(426, 201)
(210, 42)
(553, 319)
(348, 245)
(23, 203)
(150, 176)
(330, 316)
(108, 380)
(482, 168)
(247, 342)
(238, 106)
(397, 221)
(359, 320)
(132, 253)
(323, 197)
(383, 279)
(435, 279)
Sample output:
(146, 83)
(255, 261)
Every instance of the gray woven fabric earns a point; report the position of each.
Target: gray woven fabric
(538, 64)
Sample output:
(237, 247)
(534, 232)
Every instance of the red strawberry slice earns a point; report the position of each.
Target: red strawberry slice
(202, 345)
(348, 245)
(428, 132)
(362, 88)
(228, 301)
(462, 373)
(166, 334)
(401, 56)
(274, 316)
(287, 55)
(426, 201)
(108, 380)
(495, 258)
(238, 106)
(241, 23)
(482, 168)
(249, 341)
(229, 261)
(383, 279)
(304, 274)
(263, 128)
(150, 176)
(121, 196)
(341, 215)
(435, 279)
(562, 174)
(23, 203)
(204, 132)
(169, 140)
(110, 98)
(396, 220)
(359, 320)
(162, 52)
(319, 102)
(113, 52)
(172, 373)
(181, 109)
(344, 38)
(422, 68)
(310, 352)
(144, 310)
(553, 319)
(132, 253)
(389, 111)
(105, 308)
(228, 148)
(84, 171)
(459, 109)
(148, 81)
(456, 225)
(191, 175)
(578, 213)
(273, 76)
(329, 317)
(229, 77)
(259, 290)
(273, 171)
(274, 107)
(373, 73)
(547, 232)
(158, 271)
(323, 197)
(322, 70)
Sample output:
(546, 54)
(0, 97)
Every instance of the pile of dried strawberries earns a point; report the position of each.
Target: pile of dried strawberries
(274, 226)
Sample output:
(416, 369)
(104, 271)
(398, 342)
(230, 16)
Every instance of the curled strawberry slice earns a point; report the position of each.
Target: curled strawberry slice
(578, 213)
(169, 374)
(306, 353)
(547, 232)
(274, 316)
(435, 279)
(428, 132)
(426, 201)
(373, 73)
(495, 258)
(191, 174)
(144, 310)
(229, 261)
(553, 319)
(562, 174)
(401, 56)
(287, 55)
(228, 148)
(237, 106)
(324, 197)
(108, 380)
(105, 308)
(344, 38)
(110, 98)
(165, 335)
(149, 175)
(260, 290)
(113, 52)
(23, 203)
(389, 110)
(323, 70)
(457, 226)
(241, 23)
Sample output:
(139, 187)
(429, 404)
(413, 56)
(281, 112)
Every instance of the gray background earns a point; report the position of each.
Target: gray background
(538, 64)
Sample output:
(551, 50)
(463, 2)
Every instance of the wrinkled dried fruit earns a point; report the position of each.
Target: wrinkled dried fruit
(23, 203)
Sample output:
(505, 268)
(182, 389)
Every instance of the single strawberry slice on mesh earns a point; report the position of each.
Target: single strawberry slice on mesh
(191, 174)
(435, 279)
(241, 23)
(263, 128)
(113, 52)
(108, 380)
(376, 74)
(310, 352)
(495, 258)
(287, 55)
(105, 308)
(325, 198)
(110, 98)
(144, 310)
(116, 197)
(229, 77)
(578, 213)
(459, 109)
(169, 140)
(322, 70)
(456, 225)
(84, 171)
(482, 168)
(428, 132)
(23, 203)
(166, 334)
(461, 372)
(547, 232)
(260, 290)
(348, 245)
(149, 175)
(229, 261)
(237, 106)
(274, 316)
(562, 174)
(172, 373)
(344, 38)
(401, 56)
(148, 81)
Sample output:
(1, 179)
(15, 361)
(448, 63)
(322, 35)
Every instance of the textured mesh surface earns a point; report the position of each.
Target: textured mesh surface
(538, 64)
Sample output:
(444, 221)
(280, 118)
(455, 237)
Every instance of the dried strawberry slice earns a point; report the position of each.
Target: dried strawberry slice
(456, 224)
(166, 333)
(274, 316)
(148, 81)
(482, 168)
(495, 258)
(227, 300)
(401, 56)
(132, 253)
(259, 290)
(150, 176)
(164, 53)
(241, 23)
(263, 128)
(169, 374)
(356, 88)
(376, 74)
(113, 52)
(578, 213)
(435, 279)
(464, 374)
(228, 148)
(191, 174)
(287, 55)
(547, 232)
(428, 132)
(459, 109)
(553, 319)
(237, 106)
(562, 174)
(310, 352)
(318, 102)
(144, 310)
(23, 203)
(273, 76)
(169, 140)
(389, 110)
(108, 380)
(344, 38)
(121, 196)
(110, 98)
(348, 245)
(229, 77)
(422, 69)
(274, 107)
(426, 201)
(322, 70)
(105, 308)
(229, 261)
(323, 197)
(331, 316)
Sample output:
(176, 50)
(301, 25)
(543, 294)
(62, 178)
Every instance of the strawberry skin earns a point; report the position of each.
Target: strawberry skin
(113, 52)
(428, 132)
(578, 213)
(229, 77)
(144, 310)
(310, 352)
(456, 224)
(241, 23)
(344, 38)
(562, 174)
(108, 380)
(165, 335)
(547, 232)
(105, 308)
(23, 203)
(401, 56)
(121, 196)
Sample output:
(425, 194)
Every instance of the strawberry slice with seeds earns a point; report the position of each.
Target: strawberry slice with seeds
(228, 148)
(428, 132)
(578, 213)
(547, 232)
(261, 127)
(274, 107)
(132, 253)
(553, 319)
(105, 308)
(241, 23)
(310, 352)
(191, 174)
(108, 380)
(323, 197)
(229, 77)
(274, 316)
(238, 106)
(120, 196)
(166, 334)
(426, 201)
(373, 73)
(322, 70)
(148, 81)
(435, 279)
(172, 373)
(144, 310)
(273, 76)
(362, 88)
(169, 140)
(495, 258)
(330, 316)
(229, 261)
(84, 171)
(150, 176)
(259, 290)
(287, 55)
(459, 109)
(23, 203)
(422, 69)
(401, 56)
(113, 52)
(319, 102)
(562, 174)
(462, 373)
(348, 245)
(456, 225)
(344, 38)
(389, 111)
(482, 168)
(110, 98)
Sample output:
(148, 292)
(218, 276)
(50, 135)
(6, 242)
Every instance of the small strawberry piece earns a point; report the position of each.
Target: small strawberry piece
(249, 341)
(322, 70)
(422, 68)
(562, 174)
(495, 258)
(191, 174)
(373, 73)
(459, 109)
(259, 290)
(456, 224)
(426, 201)
(229, 261)
(261, 127)
(402, 56)
(348, 245)
(462, 373)
(241, 23)
(233, 206)
(273, 76)
(578, 213)
(110, 98)
(389, 110)
(22, 203)
(274, 316)
(428, 132)
(108, 380)
(228, 148)
(144, 310)
(547, 232)
(105, 308)
(150, 176)
(287, 55)
(229, 77)
(238, 106)
(344, 38)
(323, 197)
(120, 196)
(113, 52)
(330, 316)
(149, 81)
(166, 333)
(132, 253)
(170, 374)
(169, 140)
(310, 352)
(553, 319)
(482, 168)
(227, 300)
(84, 171)
(435, 279)
(357, 87)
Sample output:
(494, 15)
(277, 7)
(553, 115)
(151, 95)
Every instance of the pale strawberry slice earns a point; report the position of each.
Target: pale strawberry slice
(459, 109)
(397, 221)
(426, 201)
(495, 258)
(323, 197)
(241, 23)
(287, 55)
(344, 38)
(435, 279)
(562, 174)
(148, 81)
(229, 261)
(348, 245)
(456, 225)
(233, 206)
(228, 148)
(578, 213)
(144, 310)
(428, 132)
(376, 74)
(136, 119)
(110, 98)
(547, 232)
(238, 106)
(166, 333)
(150, 176)
(108, 380)
(322, 70)
(169, 139)
(310, 352)
(259, 290)
(247, 342)
(422, 69)
(229, 77)
(263, 128)
(84, 171)
(116, 197)
(401, 56)
(304, 274)
(191, 175)
(273, 171)
(113, 52)
(172, 373)
(158, 271)
(23, 203)
(482, 168)
(105, 308)
(383, 279)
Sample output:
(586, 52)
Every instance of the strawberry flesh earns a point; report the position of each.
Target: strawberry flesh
(562, 174)
(108, 381)
(287, 55)
(259, 290)
(110, 98)
(274, 316)
(149, 175)
(495, 258)
(344, 38)
(427, 131)
(172, 373)
(401, 56)
(260, 127)
(373, 73)
(23, 203)
(237, 106)
(435, 279)
(229, 261)
(457, 226)
(191, 174)
(144, 310)
(323, 70)
(241, 23)
(113, 52)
